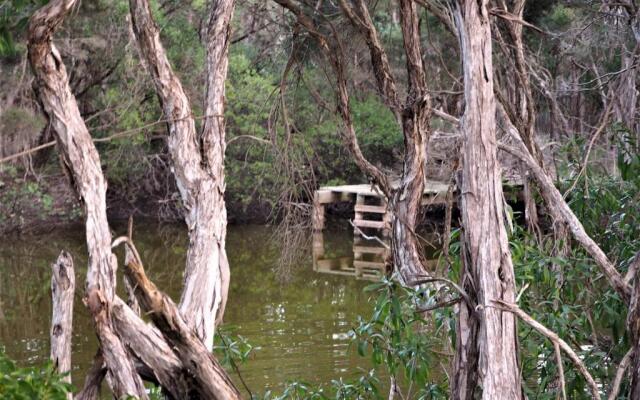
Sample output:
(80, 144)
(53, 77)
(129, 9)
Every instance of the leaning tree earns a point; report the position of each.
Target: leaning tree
(173, 351)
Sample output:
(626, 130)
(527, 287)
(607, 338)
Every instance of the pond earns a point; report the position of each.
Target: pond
(297, 320)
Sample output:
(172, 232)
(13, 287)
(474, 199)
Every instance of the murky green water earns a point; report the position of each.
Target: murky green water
(298, 320)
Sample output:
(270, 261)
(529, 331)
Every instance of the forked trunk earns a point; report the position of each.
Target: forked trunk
(415, 128)
(198, 163)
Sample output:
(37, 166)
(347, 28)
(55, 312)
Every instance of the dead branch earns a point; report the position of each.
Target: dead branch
(620, 372)
(555, 200)
(556, 340)
(212, 380)
(594, 137)
(63, 284)
(563, 386)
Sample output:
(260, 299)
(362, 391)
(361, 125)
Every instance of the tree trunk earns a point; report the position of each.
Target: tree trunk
(82, 163)
(212, 381)
(465, 363)
(63, 285)
(415, 117)
(633, 327)
(486, 244)
(197, 163)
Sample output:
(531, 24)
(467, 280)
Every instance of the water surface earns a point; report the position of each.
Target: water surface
(297, 319)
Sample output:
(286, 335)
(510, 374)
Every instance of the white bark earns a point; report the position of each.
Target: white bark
(487, 256)
(63, 285)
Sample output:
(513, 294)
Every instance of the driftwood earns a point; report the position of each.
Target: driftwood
(158, 361)
(63, 285)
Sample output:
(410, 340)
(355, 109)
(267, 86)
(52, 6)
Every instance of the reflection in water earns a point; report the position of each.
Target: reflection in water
(368, 259)
(299, 328)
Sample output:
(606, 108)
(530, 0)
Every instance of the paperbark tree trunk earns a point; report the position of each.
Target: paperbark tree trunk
(122, 335)
(82, 165)
(487, 257)
(198, 162)
(415, 116)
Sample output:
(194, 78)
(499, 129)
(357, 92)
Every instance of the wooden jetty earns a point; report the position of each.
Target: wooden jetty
(370, 205)
(370, 257)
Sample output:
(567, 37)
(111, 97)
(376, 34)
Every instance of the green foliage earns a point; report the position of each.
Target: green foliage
(19, 125)
(560, 16)
(565, 293)
(14, 16)
(569, 295)
(232, 350)
(41, 383)
(396, 340)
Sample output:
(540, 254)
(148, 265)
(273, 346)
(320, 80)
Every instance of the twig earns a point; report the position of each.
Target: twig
(556, 348)
(585, 162)
(236, 369)
(439, 305)
(116, 135)
(445, 116)
(622, 368)
(633, 267)
(555, 339)
(377, 239)
(124, 239)
(257, 139)
(428, 279)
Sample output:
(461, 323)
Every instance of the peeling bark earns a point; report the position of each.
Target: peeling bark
(81, 160)
(63, 285)
(487, 256)
(415, 117)
(212, 381)
(198, 162)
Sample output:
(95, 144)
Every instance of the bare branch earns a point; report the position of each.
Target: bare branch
(620, 372)
(556, 340)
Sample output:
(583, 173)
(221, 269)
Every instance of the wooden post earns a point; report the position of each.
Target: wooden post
(317, 248)
(358, 216)
(317, 217)
(63, 284)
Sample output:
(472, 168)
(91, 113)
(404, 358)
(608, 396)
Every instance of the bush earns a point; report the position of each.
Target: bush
(42, 383)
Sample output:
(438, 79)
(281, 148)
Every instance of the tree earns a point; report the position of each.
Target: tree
(198, 162)
(486, 335)
(169, 353)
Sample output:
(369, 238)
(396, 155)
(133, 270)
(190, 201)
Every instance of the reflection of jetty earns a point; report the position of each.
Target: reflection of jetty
(368, 261)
